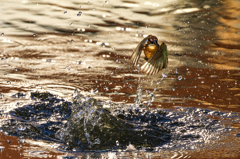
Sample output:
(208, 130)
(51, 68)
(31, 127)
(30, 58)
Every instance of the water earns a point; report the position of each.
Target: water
(52, 54)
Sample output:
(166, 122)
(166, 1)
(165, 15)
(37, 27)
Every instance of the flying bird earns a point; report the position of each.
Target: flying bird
(156, 55)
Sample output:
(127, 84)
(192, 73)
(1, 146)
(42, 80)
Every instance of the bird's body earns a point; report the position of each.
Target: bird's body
(149, 50)
(155, 54)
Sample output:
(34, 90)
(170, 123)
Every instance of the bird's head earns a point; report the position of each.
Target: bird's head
(153, 40)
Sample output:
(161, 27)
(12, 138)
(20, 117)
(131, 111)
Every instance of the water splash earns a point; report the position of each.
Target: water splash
(138, 99)
(85, 123)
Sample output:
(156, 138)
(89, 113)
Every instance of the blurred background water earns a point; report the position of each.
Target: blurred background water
(60, 46)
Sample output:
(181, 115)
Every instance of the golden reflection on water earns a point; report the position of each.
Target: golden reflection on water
(49, 46)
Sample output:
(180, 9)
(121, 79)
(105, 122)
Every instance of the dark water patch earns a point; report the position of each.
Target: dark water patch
(90, 124)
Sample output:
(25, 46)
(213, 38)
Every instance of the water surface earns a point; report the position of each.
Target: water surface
(57, 47)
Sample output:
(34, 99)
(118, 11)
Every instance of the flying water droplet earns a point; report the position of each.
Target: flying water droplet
(176, 71)
(72, 40)
(97, 141)
(106, 1)
(106, 88)
(173, 89)
(64, 12)
(3, 58)
(21, 141)
(2, 34)
(117, 143)
(15, 69)
(138, 98)
(152, 98)
(21, 128)
(180, 78)
(79, 14)
(34, 35)
(164, 75)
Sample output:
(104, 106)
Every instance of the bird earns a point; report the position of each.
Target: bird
(156, 55)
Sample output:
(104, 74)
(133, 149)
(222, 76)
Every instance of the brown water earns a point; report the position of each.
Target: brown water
(50, 46)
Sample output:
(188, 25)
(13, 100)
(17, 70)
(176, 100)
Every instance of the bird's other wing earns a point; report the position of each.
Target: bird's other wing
(157, 62)
(137, 52)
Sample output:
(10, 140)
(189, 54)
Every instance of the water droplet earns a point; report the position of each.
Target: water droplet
(34, 34)
(79, 13)
(158, 82)
(176, 71)
(202, 81)
(21, 128)
(3, 58)
(106, 1)
(1, 96)
(89, 67)
(64, 12)
(8, 141)
(93, 8)
(164, 75)
(72, 40)
(97, 141)
(21, 141)
(152, 98)
(9, 82)
(15, 69)
(106, 88)
(117, 143)
(96, 90)
(180, 78)
(173, 89)
(2, 34)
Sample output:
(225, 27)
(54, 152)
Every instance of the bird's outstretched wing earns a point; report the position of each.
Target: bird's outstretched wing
(157, 62)
(137, 52)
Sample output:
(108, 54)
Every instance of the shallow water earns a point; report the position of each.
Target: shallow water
(61, 46)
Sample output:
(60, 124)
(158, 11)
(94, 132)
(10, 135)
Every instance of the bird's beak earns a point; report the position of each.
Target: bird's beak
(156, 43)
